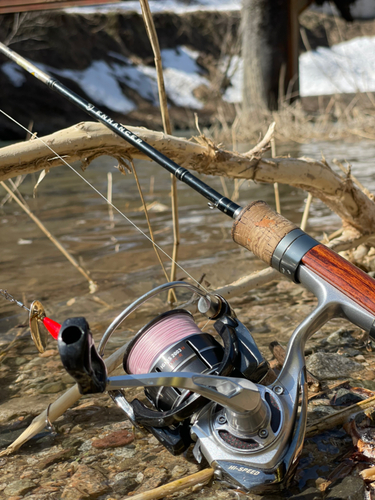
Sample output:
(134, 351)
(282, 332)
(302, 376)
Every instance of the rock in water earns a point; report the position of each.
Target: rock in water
(350, 488)
(343, 336)
(326, 366)
(19, 488)
(114, 440)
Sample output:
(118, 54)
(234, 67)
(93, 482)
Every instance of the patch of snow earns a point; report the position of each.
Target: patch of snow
(181, 76)
(235, 74)
(181, 58)
(136, 79)
(99, 83)
(180, 87)
(160, 6)
(15, 74)
(347, 67)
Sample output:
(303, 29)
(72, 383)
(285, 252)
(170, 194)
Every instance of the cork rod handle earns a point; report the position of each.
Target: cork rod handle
(259, 229)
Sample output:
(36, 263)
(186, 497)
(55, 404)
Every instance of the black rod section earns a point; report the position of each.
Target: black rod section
(219, 201)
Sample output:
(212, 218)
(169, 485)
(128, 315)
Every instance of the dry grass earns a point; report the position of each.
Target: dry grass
(336, 117)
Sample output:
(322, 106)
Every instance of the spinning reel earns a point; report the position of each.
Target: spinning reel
(200, 391)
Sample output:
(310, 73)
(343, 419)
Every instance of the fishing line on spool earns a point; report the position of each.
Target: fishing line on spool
(172, 342)
(34, 136)
(157, 338)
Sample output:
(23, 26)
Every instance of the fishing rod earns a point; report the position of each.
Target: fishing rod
(219, 201)
(220, 396)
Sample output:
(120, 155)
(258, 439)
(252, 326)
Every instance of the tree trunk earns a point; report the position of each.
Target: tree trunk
(270, 41)
(264, 50)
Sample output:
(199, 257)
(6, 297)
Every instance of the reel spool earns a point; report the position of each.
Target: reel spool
(172, 342)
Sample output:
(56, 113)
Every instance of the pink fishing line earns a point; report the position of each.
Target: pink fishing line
(157, 339)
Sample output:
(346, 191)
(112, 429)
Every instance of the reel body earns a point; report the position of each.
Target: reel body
(200, 390)
(172, 342)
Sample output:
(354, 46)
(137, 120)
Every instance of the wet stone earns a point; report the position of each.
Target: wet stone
(124, 483)
(341, 337)
(178, 471)
(19, 488)
(348, 351)
(60, 456)
(350, 488)
(328, 366)
(67, 379)
(85, 483)
(367, 384)
(115, 439)
(320, 412)
(153, 477)
(308, 494)
(20, 361)
(344, 397)
(52, 388)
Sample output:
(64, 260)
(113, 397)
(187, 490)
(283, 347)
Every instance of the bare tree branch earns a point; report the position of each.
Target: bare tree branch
(86, 141)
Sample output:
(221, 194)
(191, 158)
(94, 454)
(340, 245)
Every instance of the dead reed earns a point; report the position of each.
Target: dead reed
(332, 118)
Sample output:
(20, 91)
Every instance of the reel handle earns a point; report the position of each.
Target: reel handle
(237, 394)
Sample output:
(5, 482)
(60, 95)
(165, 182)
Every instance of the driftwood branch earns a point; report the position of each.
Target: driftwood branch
(86, 141)
(202, 477)
(339, 418)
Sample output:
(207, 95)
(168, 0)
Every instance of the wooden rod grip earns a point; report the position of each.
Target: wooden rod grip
(259, 229)
(334, 269)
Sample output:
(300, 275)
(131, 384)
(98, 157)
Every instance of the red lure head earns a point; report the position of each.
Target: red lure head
(52, 327)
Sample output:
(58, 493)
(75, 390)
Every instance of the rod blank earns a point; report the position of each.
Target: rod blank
(219, 201)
